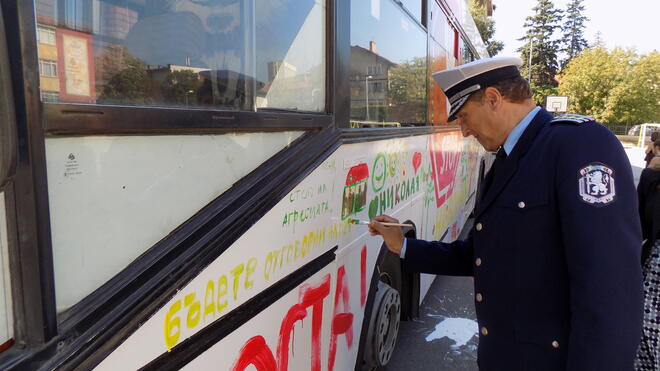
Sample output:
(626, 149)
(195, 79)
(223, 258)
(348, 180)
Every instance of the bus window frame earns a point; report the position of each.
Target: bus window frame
(99, 119)
(28, 217)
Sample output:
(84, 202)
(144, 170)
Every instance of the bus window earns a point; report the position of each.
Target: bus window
(388, 66)
(437, 99)
(414, 7)
(233, 54)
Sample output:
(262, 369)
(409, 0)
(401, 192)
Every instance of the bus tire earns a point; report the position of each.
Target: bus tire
(383, 326)
(388, 274)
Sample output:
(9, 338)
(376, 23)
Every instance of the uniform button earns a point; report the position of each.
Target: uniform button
(479, 227)
(477, 262)
(484, 331)
(521, 205)
(555, 344)
(479, 298)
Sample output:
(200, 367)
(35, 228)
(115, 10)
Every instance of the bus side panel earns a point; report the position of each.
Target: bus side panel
(334, 299)
(425, 179)
(123, 194)
(6, 321)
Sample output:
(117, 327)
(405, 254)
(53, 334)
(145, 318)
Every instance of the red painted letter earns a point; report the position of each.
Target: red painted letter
(309, 296)
(255, 352)
(314, 297)
(363, 276)
(342, 323)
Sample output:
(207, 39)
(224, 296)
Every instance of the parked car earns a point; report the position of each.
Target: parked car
(650, 128)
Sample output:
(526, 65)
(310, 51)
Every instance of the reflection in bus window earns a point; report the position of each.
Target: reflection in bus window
(414, 7)
(388, 66)
(224, 54)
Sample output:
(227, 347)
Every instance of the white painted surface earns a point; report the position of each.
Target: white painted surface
(460, 330)
(304, 225)
(112, 198)
(6, 320)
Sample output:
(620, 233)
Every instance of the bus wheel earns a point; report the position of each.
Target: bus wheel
(383, 327)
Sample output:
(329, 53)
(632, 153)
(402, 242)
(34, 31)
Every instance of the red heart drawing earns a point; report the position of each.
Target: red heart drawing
(417, 160)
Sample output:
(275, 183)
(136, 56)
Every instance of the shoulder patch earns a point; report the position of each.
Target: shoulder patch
(570, 118)
(596, 184)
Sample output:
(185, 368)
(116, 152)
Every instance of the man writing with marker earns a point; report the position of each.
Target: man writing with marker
(555, 247)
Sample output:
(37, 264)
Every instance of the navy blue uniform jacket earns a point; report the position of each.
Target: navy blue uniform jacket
(555, 254)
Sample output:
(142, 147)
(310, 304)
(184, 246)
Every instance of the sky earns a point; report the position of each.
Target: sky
(628, 23)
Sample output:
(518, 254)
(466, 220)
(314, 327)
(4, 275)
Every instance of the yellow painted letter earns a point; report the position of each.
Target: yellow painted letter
(209, 299)
(251, 267)
(237, 274)
(172, 324)
(194, 312)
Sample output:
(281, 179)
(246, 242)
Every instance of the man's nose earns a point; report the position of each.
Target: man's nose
(465, 131)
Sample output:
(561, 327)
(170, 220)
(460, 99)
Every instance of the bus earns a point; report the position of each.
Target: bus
(180, 180)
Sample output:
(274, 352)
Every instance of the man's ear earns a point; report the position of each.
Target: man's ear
(493, 97)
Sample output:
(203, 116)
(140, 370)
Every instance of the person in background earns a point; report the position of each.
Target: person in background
(555, 247)
(648, 191)
(649, 152)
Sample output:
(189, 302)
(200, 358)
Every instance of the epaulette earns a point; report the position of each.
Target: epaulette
(570, 118)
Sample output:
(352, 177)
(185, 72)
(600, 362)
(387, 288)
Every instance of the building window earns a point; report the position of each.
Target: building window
(45, 35)
(47, 68)
(375, 69)
(50, 96)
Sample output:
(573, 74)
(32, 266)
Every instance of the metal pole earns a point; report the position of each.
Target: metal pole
(529, 69)
(366, 93)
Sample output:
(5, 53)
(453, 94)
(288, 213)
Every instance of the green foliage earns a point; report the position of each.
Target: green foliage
(407, 91)
(617, 86)
(573, 41)
(130, 85)
(486, 27)
(539, 92)
(636, 99)
(180, 87)
(539, 29)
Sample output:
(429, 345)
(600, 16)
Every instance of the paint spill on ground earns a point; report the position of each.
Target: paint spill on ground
(460, 330)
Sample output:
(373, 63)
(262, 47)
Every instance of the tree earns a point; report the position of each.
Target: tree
(486, 27)
(617, 86)
(407, 91)
(539, 29)
(180, 88)
(573, 31)
(636, 99)
(598, 42)
(129, 85)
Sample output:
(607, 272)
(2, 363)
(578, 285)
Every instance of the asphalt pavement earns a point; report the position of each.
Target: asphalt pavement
(419, 347)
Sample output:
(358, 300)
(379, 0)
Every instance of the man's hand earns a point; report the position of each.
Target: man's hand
(392, 236)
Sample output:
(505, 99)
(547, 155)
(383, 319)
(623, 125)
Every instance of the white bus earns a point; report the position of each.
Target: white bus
(178, 178)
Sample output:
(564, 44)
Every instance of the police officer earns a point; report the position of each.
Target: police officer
(555, 246)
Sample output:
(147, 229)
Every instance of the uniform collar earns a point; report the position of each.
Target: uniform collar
(517, 131)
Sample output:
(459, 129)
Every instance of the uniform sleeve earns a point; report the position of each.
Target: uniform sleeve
(602, 238)
(450, 259)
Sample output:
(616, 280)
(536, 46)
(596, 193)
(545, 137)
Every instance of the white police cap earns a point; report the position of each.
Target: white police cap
(460, 82)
